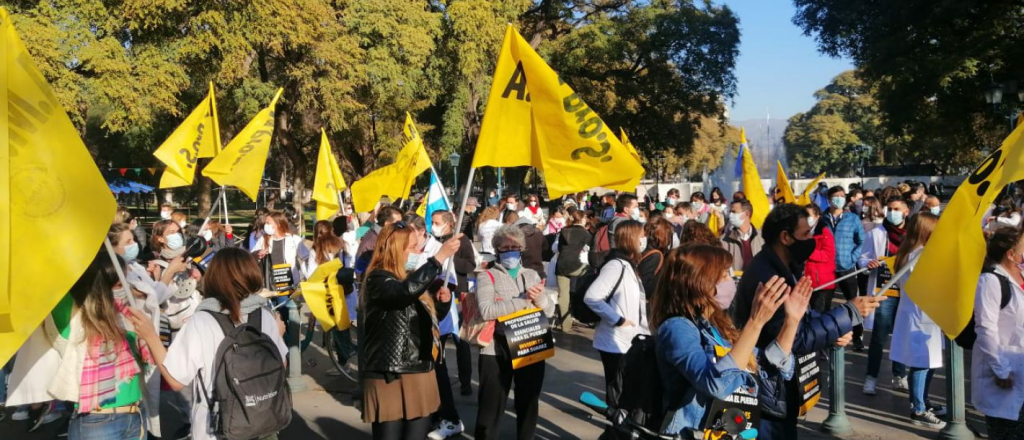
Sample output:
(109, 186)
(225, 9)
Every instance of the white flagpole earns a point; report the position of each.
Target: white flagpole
(213, 209)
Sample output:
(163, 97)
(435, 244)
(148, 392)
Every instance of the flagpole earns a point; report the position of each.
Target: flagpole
(895, 278)
(213, 209)
(125, 287)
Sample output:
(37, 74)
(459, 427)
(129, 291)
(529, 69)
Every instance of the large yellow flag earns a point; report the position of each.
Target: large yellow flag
(325, 297)
(782, 183)
(547, 125)
(393, 180)
(241, 163)
(197, 136)
(328, 181)
(48, 182)
(752, 184)
(805, 198)
(945, 278)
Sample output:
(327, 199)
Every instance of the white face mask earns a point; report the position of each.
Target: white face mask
(269, 229)
(182, 224)
(165, 215)
(438, 230)
(668, 215)
(811, 221)
(643, 243)
(510, 206)
(736, 219)
(560, 222)
(878, 221)
(207, 235)
(533, 204)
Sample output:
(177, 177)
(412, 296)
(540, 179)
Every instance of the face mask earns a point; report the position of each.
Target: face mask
(670, 202)
(511, 206)
(165, 215)
(697, 205)
(131, 252)
(175, 241)
(643, 220)
(182, 224)
(736, 219)
(438, 230)
(725, 291)
(668, 215)
(533, 204)
(207, 235)
(838, 202)
(643, 243)
(559, 222)
(936, 210)
(801, 250)
(878, 221)
(510, 259)
(269, 229)
(635, 215)
(412, 262)
(895, 217)
(811, 221)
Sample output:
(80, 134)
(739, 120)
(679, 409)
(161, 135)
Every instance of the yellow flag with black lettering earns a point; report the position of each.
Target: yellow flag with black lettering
(48, 182)
(393, 180)
(328, 181)
(782, 185)
(197, 136)
(325, 297)
(944, 281)
(241, 163)
(534, 118)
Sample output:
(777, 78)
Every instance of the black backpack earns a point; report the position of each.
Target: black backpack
(581, 312)
(250, 398)
(969, 335)
(640, 402)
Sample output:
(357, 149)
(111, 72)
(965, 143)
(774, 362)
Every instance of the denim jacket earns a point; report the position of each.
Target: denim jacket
(693, 376)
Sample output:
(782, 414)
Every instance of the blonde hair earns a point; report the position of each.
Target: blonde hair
(389, 255)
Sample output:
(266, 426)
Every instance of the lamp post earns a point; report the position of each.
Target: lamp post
(994, 95)
(454, 160)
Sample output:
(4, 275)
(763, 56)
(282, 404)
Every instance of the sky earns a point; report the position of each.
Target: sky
(779, 68)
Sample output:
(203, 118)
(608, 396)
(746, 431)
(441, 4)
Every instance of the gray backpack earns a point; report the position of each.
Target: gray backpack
(250, 398)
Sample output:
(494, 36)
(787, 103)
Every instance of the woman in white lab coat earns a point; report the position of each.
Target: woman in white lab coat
(916, 339)
(997, 391)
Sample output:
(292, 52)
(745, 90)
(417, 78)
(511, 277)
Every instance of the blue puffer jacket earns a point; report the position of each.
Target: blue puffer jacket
(778, 395)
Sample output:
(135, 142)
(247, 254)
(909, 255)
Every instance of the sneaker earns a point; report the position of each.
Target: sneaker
(900, 384)
(21, 414)
(446, 429)
(938, 410)
(927, 419)
(869, 386)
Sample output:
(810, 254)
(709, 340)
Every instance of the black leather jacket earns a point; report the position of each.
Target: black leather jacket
(398, 338)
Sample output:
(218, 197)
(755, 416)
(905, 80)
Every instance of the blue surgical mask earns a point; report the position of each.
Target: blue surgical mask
(510, 259)
(838, 202)
(412, 262)
(895, 217)
(131, 252)
(175, 241)
(936, 210)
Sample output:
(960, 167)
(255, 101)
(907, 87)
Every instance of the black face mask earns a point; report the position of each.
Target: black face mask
(801, 250)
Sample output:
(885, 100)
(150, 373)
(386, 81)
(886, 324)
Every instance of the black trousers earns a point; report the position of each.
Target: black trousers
(415, 429)
(447, 411)
(614, 370)
(496, 377)
(851, 290)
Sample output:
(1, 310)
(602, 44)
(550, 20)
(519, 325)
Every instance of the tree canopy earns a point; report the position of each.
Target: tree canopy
(128, 71)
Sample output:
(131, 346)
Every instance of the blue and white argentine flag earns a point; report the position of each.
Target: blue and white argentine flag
(436, 201)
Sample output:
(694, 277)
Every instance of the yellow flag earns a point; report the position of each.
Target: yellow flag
(328, 181)
(752, 184)
(326, 299)
(805, 198)
(945, 278)
(570, 143)
(197, 136)
(782, 183)
(393, 180)
(48, 182)
(241, 163)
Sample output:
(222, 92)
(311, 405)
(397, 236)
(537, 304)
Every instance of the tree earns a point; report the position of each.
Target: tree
(930, 63)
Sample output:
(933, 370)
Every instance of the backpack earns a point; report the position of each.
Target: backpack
(250, 398)
(601, 246)
(969, 335)
(580, 310)
(640, 401)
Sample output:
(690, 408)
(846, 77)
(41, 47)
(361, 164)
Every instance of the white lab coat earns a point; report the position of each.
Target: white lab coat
(916, 340)
(628, 301)
(874, 248)
(999, 349)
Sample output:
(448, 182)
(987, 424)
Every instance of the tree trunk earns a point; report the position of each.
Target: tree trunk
(297, 161)
(203, 192)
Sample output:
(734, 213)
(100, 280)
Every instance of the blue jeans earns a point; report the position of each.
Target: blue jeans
(920, 380)
(106, 427)
(885, 316)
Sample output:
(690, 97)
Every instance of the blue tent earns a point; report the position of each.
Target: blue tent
(125, 186)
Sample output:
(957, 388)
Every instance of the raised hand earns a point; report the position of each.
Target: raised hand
(799, 298)
(768, 299)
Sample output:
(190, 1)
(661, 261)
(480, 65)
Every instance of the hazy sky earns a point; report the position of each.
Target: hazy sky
(778, 68)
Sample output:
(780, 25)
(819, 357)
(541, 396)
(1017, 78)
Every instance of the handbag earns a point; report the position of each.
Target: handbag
(474, 328)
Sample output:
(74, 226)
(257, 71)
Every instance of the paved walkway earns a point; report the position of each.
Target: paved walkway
(325, 411)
